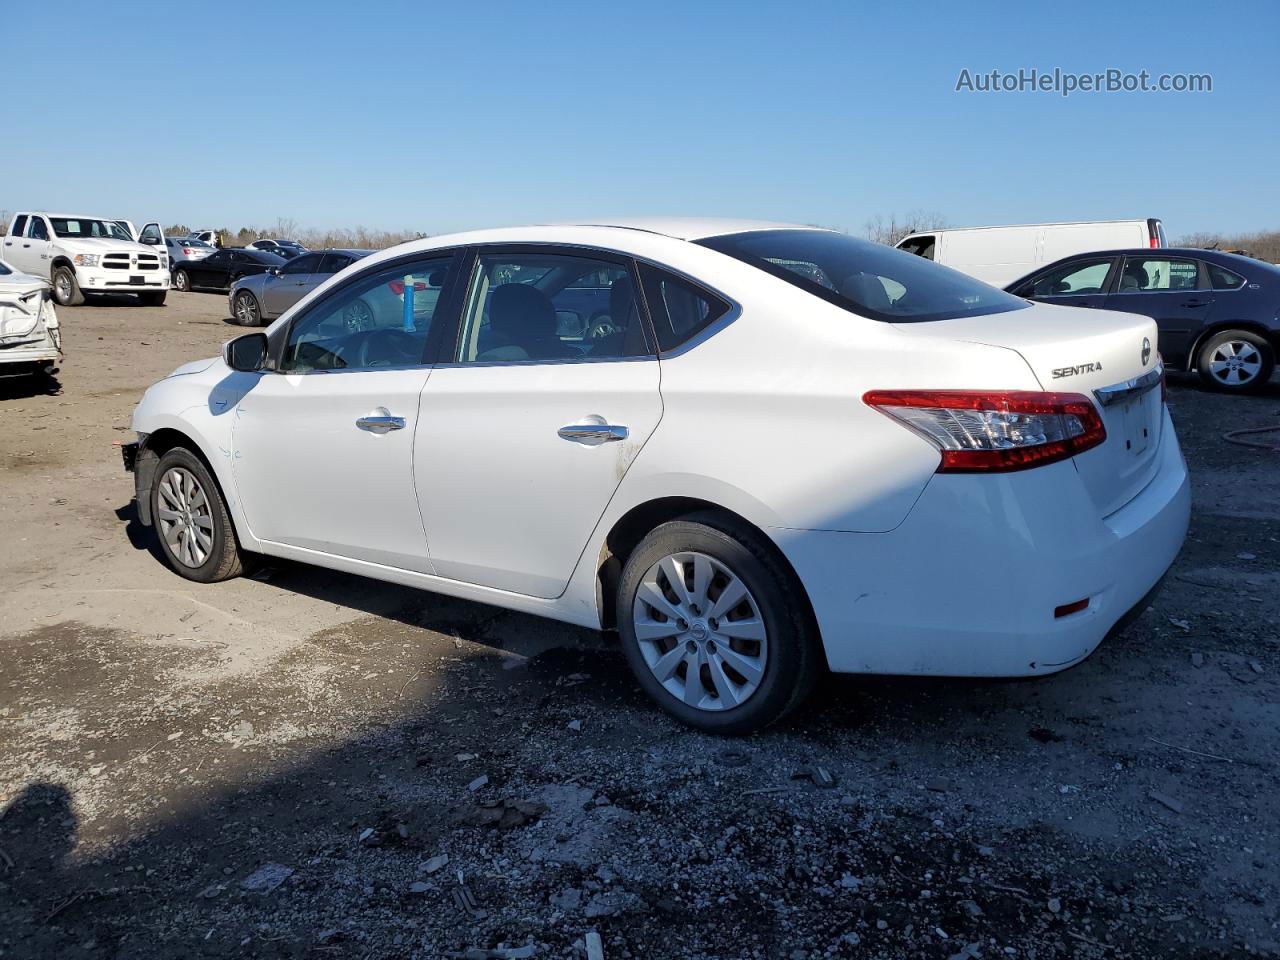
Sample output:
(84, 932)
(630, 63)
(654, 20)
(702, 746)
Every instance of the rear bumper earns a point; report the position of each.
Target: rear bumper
(968, 584)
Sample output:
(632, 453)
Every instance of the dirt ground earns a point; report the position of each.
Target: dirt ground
(279, 767)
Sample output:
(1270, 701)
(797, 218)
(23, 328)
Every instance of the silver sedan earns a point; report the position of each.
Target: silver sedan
(255, 300)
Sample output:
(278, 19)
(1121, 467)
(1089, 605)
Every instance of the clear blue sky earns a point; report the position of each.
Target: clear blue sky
(442, 116)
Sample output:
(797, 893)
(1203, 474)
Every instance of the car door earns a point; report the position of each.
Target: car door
(153, 236)
(33, 248)
(17, 247)
(210, 271)
(525, 435)
(323, 447)
(281, 290)
(1081, 282)
(1173, 291)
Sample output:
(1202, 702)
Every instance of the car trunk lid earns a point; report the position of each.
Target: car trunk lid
(1110, 358)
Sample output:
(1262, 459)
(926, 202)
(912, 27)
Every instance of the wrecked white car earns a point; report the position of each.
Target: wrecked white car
(30, 341)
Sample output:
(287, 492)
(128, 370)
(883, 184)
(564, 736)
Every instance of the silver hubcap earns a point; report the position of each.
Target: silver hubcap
(186, 522)
(180, 281)
(700, 631)
(63, 285)
(1235, 362)
(245, 309)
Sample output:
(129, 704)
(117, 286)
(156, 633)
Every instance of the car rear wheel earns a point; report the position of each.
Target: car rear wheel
(66, 289)
(246, 309)
(713, 628)
(191, 520)
(181, 281)
(1236, 361)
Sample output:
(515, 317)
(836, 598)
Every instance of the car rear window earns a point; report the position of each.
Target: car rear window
(865, 278)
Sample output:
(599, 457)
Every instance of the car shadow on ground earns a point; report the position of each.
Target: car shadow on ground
(25, 386)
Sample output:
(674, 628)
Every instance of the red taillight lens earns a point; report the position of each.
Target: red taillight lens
(187, 251)
(397, 286)
(981, 432)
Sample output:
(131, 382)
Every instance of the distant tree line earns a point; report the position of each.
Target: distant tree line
(357, 238)
(1265, 244)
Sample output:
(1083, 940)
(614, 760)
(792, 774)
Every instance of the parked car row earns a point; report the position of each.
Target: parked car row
(1218, 313)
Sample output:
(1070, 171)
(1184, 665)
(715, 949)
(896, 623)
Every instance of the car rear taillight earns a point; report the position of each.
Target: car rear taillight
(187, 251)
(397, 286)
(982, 432)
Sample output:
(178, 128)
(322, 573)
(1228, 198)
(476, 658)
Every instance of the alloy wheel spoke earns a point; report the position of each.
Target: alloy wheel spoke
(748, 668)
(693, 691)
(650, 630)
(732, 595)
(664, 667)
(752, 629)
(650, 594)
(674, 571)
(724, 686)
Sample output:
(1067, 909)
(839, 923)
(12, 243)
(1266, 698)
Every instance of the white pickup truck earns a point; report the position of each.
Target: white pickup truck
(83, 255)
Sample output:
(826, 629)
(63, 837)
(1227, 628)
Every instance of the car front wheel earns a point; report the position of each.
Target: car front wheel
(192, 521)
(1236, 361)
(66, 289)
(181, 281)
(713, 625)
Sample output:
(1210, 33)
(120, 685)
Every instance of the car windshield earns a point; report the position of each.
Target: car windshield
(866, 278)
(76, 228)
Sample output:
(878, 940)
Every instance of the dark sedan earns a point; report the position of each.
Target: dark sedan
(1218, 313)
(220, 270)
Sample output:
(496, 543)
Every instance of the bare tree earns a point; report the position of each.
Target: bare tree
(4, 222)
(889, 230)
(1264, 244)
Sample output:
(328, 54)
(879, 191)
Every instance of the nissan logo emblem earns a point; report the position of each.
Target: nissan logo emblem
(1146, 350)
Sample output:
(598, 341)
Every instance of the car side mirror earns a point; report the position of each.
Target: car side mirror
(246, 354)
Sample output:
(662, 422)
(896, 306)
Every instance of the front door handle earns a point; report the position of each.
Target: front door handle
(380, 422)
(593, 431)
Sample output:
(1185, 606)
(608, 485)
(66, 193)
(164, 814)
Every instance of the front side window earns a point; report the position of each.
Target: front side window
(868, 279)
(1075, 279)
(1220, 278)
(534, 306)
(38, 230)
(1158, 274)
(376, 320)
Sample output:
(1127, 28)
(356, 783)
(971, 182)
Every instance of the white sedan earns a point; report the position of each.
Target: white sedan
(757, 451)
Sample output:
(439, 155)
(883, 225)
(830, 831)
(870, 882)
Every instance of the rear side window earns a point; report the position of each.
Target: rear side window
(680, 309)
(1220, 278)
(868, 279)
(1158, 274)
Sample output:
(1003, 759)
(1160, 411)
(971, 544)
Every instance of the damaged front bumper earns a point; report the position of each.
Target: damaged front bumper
(141, 462)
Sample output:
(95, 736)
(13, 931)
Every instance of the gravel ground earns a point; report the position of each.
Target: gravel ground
(309, 764)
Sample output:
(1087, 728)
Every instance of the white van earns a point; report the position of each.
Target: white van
(1000, 255)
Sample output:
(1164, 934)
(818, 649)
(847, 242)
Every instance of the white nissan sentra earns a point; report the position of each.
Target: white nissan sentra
(755, 450)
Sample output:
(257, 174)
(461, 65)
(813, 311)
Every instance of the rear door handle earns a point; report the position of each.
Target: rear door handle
(1195, 303)
(593, 431)
(380, 423)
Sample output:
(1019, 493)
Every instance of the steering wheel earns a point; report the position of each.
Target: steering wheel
(388, 348)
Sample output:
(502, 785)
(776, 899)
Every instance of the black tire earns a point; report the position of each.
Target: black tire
(794, 660)
(246, 310)
(66, 289)
(223, 560)
(153, 299)
(1224, 348)
(181, 281)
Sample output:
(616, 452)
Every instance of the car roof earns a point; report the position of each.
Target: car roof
(1200, 252)
(688, 228)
